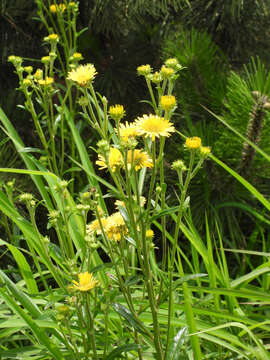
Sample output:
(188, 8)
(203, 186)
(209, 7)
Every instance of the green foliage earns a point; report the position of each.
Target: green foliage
(238, 27)
(144, 282)
(204, 80)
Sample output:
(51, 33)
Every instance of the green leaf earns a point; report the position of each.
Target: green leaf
(40, 334)
(23, 267)
(121, 349)
(126, 314)
(176, 345)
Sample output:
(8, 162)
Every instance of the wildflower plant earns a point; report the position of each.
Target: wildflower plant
(131, 301)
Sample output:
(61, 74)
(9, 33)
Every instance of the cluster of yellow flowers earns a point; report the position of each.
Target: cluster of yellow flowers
(135, 158)
(60, 8)
(195, 143)
(114, 226)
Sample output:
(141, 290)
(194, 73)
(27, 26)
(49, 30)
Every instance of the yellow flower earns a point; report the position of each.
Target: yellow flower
(156, 78)
(53, 37)
(38, 74)
(83, 74)
(48, 81)
(172, 63)
(154, 126)
(205, 151)
(28, 69)
(166, 72)
(193, 142)
(27, 82)
(115, 159)
(167, 102)
(144, 70)
(116, 227)
(139, 159)
(149, 233)
(77, 56)
(45, 59)
(117, 112)
(95, 227)
(127, 131)
(86, 282)
(58, 8)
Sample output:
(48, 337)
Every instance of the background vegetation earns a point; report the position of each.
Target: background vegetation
(223, 96)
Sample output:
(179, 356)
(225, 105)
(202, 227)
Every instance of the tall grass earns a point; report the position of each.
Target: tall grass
(116, 273)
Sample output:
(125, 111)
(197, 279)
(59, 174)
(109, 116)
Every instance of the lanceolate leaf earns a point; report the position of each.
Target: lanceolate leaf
(116, 353)
(176, 345)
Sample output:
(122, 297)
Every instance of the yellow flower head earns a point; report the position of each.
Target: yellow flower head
(127, 131)
(166, 72)
(48, 81)
(53, 37)
(28, 69)
(95, 226)
(86, 282)
(117, 112)
(144, 70)
(45, 59)
(58, 8)
(27, 82)
(172, 63)
(116, 226)
(154, 126)
(76, 56)
(167, 102)
(115, 159)
(156, 78)
(83, 74)
(38, 74)
(149, 234)
(139, 159)
(205, 151)
(193, 142)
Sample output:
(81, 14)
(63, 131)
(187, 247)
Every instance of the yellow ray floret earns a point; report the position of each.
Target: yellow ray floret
(154, 126)
(115, 159)
(83, 74)
(139, 159)
(86, 282)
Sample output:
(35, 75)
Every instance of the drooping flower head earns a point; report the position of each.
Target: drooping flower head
(154, 126)
(83, 74)
(115, 159)
(138, 159)
(86, 282)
